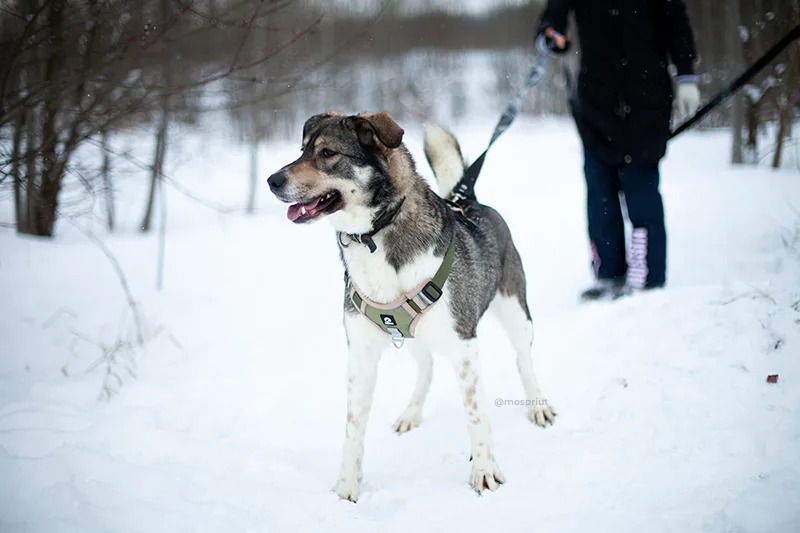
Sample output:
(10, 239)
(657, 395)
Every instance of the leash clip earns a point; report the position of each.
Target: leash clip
(364, 239)
(367, 241)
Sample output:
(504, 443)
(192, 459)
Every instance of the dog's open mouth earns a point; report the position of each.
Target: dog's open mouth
(321, 205)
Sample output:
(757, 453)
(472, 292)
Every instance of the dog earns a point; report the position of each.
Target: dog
(396, 235)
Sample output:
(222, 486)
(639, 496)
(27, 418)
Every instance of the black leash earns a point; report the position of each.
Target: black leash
(464, 190)
(737, 84)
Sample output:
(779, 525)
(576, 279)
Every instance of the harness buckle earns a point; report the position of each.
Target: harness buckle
(431, 291)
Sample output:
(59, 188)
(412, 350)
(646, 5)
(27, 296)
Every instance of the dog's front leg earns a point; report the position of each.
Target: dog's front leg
(365, 342)
(485, 472)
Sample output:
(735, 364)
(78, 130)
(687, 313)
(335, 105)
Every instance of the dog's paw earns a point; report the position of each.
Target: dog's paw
(542, 414)
(485, 475)
(410, 419)
(348, 489)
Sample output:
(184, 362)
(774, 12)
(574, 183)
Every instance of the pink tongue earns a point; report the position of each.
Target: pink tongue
(296, 211)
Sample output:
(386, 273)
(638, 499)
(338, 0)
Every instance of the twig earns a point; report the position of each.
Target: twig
(263, 59)
(216, 22)
(239, 48)
(170, 181)
(123, 280)
(755, 293)
(57, 314)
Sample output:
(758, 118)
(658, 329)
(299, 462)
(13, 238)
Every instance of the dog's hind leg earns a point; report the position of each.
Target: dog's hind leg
(511, 307)
(365, 343)
(412, 416)
(520, 332)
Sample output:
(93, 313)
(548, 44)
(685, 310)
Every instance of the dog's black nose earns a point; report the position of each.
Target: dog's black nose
(277, 181)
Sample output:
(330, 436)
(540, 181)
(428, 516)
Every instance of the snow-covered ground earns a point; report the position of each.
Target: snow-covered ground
(234, 419)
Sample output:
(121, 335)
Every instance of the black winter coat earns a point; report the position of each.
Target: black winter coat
(624, 98)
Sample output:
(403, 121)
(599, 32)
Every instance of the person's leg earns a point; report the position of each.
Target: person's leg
(606, 226)
(647, 263)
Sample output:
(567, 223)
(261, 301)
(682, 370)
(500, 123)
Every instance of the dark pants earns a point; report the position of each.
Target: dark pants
(645, 264)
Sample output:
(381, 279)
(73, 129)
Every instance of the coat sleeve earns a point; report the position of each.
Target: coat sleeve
(555, 16)
(679, 36)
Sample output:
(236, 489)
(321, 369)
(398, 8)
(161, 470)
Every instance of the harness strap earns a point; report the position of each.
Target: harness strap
(400, 317)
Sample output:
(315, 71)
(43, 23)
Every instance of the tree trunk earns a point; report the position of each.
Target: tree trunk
(43, 192)
(786, 104)
(31, 171)
(737, 129)
(108, 188)
(251, 195)
(752, 129)
(705, 36)
(16, 170)
(158, 165)
(736, 51)
(161, 135)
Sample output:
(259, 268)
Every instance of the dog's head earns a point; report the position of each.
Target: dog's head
(343, 172)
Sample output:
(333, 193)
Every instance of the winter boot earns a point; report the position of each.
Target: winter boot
(605, 289)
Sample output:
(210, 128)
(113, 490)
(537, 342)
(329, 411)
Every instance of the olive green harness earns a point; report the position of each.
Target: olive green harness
(400, 317)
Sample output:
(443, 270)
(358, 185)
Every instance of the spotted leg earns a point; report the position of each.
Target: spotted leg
(485, 472)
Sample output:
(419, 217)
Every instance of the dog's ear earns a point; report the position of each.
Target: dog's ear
(380, 126)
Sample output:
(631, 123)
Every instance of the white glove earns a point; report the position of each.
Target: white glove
(688, 99)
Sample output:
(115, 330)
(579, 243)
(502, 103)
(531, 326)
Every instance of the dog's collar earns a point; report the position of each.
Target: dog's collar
(381, 222)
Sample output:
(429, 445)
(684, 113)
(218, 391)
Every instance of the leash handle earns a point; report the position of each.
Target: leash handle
(737, 84)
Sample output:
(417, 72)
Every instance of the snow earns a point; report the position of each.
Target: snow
(744, 33)
(231, 416)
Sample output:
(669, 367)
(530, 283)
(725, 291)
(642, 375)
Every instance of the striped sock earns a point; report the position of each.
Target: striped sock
(637, 259)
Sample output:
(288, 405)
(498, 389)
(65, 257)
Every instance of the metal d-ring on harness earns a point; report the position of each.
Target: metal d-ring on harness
(400, 318)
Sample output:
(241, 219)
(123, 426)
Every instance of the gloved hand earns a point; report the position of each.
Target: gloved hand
(688, 98)
(551, 42)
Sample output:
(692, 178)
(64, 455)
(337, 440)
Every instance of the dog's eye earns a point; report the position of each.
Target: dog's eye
(326, 152)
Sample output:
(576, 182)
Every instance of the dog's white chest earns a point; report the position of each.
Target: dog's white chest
(378, 280)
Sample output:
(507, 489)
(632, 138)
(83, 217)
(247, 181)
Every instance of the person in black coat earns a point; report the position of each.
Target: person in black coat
(622, 109)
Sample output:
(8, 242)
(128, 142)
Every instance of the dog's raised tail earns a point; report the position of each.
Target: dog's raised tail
(444, 156)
